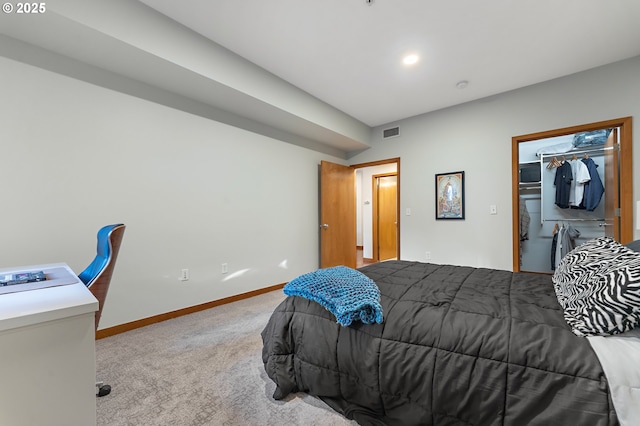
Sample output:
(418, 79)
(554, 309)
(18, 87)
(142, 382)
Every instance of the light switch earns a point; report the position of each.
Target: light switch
(493, 209)
(408, 212)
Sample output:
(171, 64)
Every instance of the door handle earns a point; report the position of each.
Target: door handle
(324, 226)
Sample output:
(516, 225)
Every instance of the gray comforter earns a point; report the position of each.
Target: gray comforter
(458, 346)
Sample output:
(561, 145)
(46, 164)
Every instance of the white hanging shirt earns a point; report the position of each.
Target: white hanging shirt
(580, 177)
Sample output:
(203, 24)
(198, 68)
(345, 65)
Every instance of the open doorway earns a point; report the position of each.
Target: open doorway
(539, 211)
(377, 211)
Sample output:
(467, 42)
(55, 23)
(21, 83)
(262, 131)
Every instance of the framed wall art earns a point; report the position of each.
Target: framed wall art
(450, 195)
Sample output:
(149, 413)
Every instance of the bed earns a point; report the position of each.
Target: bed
(458, 346)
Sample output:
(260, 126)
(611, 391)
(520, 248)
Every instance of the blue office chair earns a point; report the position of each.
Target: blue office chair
(97, 276)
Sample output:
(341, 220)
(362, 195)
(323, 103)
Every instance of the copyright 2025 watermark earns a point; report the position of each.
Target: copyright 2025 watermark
(24, 8)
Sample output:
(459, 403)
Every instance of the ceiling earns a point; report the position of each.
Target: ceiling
(348, 52)
(320, 74)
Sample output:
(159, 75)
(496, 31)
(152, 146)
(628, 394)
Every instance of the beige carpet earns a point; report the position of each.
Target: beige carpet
(200, 369)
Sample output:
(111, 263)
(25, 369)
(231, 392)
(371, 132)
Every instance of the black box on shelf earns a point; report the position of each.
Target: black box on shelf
(530, 173)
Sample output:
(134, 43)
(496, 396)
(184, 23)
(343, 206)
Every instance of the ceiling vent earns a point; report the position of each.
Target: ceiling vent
(391, 133)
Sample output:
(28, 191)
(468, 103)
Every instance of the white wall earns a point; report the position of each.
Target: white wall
(476, 138)
(194, 193)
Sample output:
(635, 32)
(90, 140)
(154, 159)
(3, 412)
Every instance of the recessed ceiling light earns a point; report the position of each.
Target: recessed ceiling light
(462, 84)
(410, 59)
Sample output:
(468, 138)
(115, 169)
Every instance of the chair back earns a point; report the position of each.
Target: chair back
(97, 276)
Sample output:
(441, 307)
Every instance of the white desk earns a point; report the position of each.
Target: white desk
(47, 353)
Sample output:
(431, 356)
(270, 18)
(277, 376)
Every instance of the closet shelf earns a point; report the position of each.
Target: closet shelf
(600, 150)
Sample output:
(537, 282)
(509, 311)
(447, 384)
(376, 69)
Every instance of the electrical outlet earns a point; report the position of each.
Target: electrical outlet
(225, 268)
(427, 255)
(184, 275)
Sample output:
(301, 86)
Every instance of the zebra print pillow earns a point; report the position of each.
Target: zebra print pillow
(598, 288)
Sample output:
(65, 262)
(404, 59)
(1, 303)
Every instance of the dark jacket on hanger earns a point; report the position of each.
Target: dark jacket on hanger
(593, 189)
(554, 244)
(563, 179)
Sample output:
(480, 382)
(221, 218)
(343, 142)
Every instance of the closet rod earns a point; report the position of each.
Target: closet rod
(573, 220)
(580, 151)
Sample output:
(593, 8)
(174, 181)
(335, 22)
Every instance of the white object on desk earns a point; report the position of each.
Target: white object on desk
(47, 354)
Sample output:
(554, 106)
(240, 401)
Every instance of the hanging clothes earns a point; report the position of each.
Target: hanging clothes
(558, 255)
(567, 240)
(593, 189)
(563, 242)
(563, 185)
(581, 176)
(525, 220)
(554, 246)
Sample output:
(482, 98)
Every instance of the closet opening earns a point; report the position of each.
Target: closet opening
(570, 185)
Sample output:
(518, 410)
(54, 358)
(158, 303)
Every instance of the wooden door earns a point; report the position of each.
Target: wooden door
(385, 219)
(337, 215)
(611, 184)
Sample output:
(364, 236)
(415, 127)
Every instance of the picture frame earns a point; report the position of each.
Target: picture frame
(450, 196)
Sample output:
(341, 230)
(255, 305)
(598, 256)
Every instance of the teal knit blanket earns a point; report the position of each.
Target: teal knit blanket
(346, 293)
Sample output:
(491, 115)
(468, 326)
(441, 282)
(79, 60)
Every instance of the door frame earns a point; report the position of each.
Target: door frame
(625, 184)
(376, 218)
(395, 160)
